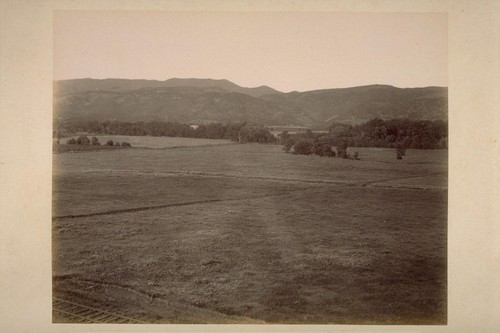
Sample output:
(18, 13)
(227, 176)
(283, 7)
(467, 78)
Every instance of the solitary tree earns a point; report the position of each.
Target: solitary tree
(400, 152)
(283, 136)
(288, 144)
(342, 150)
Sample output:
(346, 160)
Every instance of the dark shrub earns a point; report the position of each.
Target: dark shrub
(126, 144)
(400, 152)
(109, 143)
(303, 148)
(342, 149)
(283, 137)
(342, 152)
(95, 141)
(117, 143)
(288, 144)
(71, 141)
(83, 140)
(323, 149)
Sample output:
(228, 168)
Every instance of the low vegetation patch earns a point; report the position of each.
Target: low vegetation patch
(83, 143)
(237, 131)
(321, 146)
(400, 134)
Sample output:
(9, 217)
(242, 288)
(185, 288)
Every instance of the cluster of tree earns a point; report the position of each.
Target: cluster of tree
(255, 133)
(84, 140)
(415, 134)
(321, 145)
(396, 133)
(401, 134)
(239, 132)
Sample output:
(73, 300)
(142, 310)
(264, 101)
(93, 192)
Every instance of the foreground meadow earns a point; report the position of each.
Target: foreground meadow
(249, 234)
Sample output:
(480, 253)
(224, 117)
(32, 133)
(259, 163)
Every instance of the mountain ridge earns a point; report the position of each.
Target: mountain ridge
(63, 87)
(187, 100)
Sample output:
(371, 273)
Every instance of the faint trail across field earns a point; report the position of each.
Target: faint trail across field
(285, 179)
(139, 209)
(376, 183)
(215, 175)
(400, 178)
(194, 146)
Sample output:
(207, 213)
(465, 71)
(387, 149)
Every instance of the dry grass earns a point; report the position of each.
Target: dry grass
(162, 142)
(279, 245)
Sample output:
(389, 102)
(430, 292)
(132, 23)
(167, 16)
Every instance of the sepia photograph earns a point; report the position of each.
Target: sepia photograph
(250, 167)
(242, 166)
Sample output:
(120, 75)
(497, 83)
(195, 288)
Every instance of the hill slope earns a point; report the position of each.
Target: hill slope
(65, 87)
(179, 104)
(360, 104)
(207, 100)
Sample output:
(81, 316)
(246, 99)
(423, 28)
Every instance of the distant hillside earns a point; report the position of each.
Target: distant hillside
(207, 100)
(177, 104)
(65, 87)
(360, 104)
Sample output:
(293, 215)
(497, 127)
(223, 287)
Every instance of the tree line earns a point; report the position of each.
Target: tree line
(238, 132)
(401, 134)
(83, 140)
(394, 133)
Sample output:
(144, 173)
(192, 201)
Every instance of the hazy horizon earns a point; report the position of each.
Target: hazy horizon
(287, 51)
(262, 85)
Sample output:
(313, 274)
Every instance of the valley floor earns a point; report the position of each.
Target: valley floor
(249, 234)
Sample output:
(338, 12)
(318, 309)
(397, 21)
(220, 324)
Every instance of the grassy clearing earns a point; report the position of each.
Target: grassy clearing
(136, 142)
(280, 245)
(162, 142)
(264, 161)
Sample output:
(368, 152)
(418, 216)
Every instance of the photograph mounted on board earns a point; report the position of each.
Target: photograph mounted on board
(250, 168)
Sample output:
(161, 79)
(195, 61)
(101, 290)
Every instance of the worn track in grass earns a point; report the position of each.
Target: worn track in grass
(325, 182)
(63, 310)
(139, 209)
(292, 180)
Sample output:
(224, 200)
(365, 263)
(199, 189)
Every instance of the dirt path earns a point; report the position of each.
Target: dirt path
(67, 311)
(377, 183)
(139, 209)
(73, 303)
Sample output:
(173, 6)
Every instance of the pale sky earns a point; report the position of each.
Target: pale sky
(284, 50)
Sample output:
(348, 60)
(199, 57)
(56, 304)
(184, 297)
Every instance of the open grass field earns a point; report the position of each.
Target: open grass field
(249, 234)
(161, 142)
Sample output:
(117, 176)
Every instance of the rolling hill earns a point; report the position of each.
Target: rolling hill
(207, 100)
(65, 87)
(360, 104)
